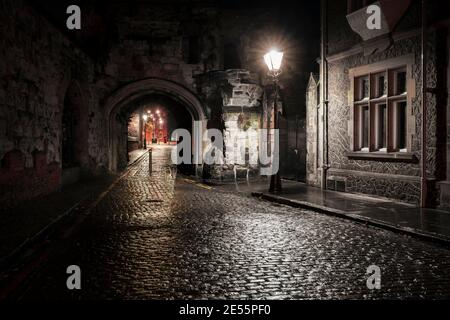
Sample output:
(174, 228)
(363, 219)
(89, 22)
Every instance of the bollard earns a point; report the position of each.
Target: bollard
(150, 162)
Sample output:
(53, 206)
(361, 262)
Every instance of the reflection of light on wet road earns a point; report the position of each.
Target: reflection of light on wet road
(197, 241)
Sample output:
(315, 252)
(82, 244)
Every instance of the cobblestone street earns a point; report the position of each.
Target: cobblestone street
(168, 237)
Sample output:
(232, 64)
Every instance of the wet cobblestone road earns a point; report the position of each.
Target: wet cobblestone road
(169, 238)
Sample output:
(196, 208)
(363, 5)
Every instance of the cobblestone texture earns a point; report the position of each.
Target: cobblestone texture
(206, 243)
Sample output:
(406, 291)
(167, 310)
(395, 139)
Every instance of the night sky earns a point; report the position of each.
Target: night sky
(297, 22)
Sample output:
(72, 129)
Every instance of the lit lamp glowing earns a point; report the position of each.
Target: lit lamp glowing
(273, 60)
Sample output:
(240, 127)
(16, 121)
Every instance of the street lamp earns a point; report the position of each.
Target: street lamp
(145, 117)
(273, 59)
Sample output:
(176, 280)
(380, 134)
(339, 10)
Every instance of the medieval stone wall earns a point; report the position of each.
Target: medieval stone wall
(174, 42)
(156, 41)
(38, 64)
(234, 98)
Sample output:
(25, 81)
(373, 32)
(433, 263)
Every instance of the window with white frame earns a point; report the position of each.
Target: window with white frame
(380, 111)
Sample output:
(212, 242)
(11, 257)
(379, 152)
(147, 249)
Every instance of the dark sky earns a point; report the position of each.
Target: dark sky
(301, 15)
(298, 15)
(299, 20)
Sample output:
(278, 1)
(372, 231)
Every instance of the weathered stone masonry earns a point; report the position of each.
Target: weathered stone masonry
(235, 100)
(41, 68)
(38, 65)
(152, 48)
(388, 178)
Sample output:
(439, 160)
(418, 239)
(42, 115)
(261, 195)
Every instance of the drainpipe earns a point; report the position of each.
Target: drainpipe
(423, 181)
(324, 92)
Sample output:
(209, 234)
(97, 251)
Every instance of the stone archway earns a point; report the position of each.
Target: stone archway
(136, 90)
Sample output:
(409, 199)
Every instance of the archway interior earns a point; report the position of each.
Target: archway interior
(151, 120)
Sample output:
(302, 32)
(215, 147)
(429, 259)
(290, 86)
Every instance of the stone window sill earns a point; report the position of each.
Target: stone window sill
(383, 156)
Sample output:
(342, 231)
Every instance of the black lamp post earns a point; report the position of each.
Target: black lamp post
(273, 60)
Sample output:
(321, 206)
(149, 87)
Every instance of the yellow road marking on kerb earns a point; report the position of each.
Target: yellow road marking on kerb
(201, 185)
(204, 186)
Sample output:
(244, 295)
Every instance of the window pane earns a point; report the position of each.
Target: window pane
(401, 125)
(400, 82)
(378, 85)
(361, 128)
(365, 127)
(365, 88)
(381, 126)
(362, 89)
(381, 86)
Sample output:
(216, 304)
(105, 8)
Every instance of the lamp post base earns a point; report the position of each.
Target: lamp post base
(275, 184)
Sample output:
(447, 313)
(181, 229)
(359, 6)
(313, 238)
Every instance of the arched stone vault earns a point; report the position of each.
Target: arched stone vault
(133, 91)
